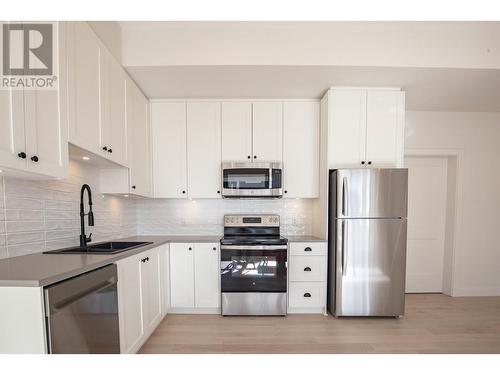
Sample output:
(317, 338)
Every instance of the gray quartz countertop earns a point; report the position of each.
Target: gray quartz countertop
(304, 239)
(37, 270)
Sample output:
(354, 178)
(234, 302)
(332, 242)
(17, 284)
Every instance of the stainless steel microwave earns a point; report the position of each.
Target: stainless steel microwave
(252, 180)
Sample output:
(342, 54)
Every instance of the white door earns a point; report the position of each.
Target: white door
(204, 149)
(181, 275)
(301, 149)
(151, 289)
(130, 303)
(113, 112)
(168, 135)
(84, 87)
(13, 153)
(346, 128)
(206, 275)
(384, 128)
(427, 186)
(267, 131)
(138, 141)
(236, 131)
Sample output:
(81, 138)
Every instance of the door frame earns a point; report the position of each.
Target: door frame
(455, 155)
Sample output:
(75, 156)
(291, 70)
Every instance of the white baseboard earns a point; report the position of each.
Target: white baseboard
(493, 291)
(193, 310)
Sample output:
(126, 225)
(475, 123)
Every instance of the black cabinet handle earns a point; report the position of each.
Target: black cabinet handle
(145, 260)
(214, 248)
(218, 191)
(308, 249)
(190, 248)
(133, 186)
(22, 155)
(307, 295)
(369, 162)
(286, 191)
(184, 192)
(248, 157)
(35, 159)
(255, 156)
(110, 150)
(362, 162)
(105, 148)
(307, 269)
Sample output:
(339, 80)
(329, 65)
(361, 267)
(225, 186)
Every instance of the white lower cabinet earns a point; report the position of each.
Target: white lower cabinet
(307, 277)
(194, 278)
(139, 298)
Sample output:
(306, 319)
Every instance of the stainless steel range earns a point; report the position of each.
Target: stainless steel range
(253, 266)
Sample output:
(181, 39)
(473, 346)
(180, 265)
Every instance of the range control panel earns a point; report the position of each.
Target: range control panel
(251, 221)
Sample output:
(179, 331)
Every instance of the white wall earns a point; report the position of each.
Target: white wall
(205, 217)
(42, 215)
(476, 136)
(410, 44)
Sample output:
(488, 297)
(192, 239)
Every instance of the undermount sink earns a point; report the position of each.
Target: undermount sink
(113, 247)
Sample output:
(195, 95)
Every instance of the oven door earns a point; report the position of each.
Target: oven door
(251, 180)
(253, 268)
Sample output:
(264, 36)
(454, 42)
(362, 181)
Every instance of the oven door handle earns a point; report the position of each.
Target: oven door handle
(253, 247)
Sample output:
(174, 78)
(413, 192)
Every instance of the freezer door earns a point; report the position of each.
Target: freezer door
(370, 193)
(370, 267)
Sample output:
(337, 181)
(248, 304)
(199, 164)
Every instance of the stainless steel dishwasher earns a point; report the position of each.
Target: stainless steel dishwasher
(82, 313)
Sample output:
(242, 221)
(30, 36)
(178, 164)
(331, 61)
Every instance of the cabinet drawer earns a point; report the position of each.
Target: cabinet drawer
(306, 295)
(311, 268)
(308, 248)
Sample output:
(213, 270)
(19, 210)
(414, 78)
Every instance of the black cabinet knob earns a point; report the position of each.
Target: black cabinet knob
(307, 269)
(307, 295)
(105, 148)
(22, 155)
(214, 249)
(248, 157)
(255, 156)
(286, 191)
(362, 162)
(307, 249)
(34, 158)
(184, 192)
(190, 248)
(218, 191)
(369, 162)
(110, 150)
(133, 186)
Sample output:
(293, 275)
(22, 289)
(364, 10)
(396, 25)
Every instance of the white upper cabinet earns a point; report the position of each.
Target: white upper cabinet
(301, 149)
(204, 149)
(168, 135)
(267, 131)
(236, 131)
(365, 128)
(385, 128)
(206, 275)
(33, 131)
(347, 128)
(84, 52)
(113, 101)
(138, 149)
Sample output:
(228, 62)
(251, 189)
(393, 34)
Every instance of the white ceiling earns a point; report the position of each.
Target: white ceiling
(431, 89)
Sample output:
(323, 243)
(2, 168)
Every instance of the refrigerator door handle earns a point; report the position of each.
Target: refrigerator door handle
(344, 240)
(345, 192)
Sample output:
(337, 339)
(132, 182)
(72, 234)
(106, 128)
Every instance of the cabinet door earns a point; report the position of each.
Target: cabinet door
(346, 128)
(168, 135)
(385, 127)
(84, 86)
(236, 131)
(138, 141)
(151, 290)
(12, 135)
(204, 149)
(113, 102)
(301, 149)
(206, 275)
(181, 275)
(267, 131)
(130, 303)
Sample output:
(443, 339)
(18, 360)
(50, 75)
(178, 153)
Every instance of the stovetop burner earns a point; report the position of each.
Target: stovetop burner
(252, 230)
(253, 240)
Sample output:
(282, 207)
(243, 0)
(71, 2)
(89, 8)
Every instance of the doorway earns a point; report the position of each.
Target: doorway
(430, 184)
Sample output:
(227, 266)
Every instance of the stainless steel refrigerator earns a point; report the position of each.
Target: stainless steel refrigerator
(367, 242)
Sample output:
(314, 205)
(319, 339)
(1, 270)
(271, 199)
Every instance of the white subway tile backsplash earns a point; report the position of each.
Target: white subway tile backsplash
(3, 252)
(24, 226)
(24, 203)
(25, 237)
(23, 215)
(25, 249)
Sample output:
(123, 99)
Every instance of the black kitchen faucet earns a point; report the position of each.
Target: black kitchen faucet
(83, 238)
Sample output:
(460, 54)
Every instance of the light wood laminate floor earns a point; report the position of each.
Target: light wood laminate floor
(433, 323)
